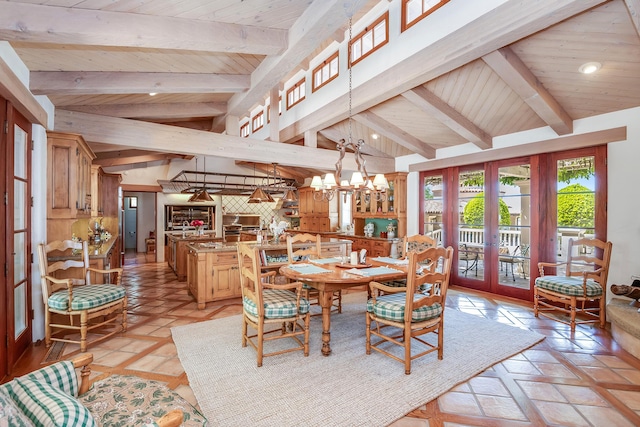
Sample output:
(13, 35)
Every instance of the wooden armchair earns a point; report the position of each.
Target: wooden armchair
(313, 251)
(265, 303)
(415, 243)
(583, 282)
(84, 306)
(407, 313)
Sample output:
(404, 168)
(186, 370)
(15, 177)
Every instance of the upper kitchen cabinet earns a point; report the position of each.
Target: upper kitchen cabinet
(68, 176)
(104, 192)
(316, 215)
(393, 205)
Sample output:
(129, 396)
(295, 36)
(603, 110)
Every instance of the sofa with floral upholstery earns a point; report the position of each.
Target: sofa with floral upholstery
(53, 396)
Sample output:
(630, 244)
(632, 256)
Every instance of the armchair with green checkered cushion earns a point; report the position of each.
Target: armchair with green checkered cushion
(580, 290)
(402, 315)
(417, 242)
(73, 305)
(312, 251)
(265, 303)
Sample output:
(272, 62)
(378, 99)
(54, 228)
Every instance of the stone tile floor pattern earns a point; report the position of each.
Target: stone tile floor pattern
(579, 379)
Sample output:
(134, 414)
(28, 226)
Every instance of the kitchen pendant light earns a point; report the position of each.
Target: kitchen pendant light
(201, 196)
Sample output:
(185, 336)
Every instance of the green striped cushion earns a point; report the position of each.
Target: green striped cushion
(61, 375)
(391, 307)
(278, 304)
(47, 405)
(86, 297)
(10, 414)
(570, 286)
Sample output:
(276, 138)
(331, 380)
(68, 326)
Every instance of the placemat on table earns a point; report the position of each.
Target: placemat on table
(308, 269)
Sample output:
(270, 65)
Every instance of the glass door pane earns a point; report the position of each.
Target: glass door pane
(471, 224)
(20, 264)
(514, 226)
(576, 183)
(434, 208)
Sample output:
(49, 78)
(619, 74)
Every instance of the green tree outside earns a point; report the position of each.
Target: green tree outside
(473, 213)
(576, 205)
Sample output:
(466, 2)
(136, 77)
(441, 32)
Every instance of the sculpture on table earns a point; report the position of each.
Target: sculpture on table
(277, 229)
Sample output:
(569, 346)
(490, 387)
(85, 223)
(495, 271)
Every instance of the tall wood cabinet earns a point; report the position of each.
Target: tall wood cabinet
(68, 183)
(393, 206)
(316, 215)
(68, 176)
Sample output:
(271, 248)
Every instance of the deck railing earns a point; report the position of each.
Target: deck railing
(475, 236)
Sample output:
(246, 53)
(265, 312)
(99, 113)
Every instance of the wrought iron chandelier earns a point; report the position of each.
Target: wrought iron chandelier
(326, 188)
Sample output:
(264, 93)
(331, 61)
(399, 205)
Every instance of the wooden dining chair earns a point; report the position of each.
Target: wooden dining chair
(402, 315)
(265, 303)
(415, 243)
(313, 250)
(69, 295)
(582, 283)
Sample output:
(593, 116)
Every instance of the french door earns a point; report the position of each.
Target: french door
(503, 217)
(15, 236)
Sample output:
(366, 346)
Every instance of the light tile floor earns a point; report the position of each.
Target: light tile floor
(580, 379)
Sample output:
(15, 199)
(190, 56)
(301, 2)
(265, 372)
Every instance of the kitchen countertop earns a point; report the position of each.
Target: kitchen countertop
(95, 251)
(192, 237)
(232, 246)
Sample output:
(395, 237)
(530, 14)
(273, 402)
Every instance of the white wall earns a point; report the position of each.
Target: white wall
(623, 220)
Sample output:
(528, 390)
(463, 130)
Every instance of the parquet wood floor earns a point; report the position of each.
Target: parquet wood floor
(580, 379)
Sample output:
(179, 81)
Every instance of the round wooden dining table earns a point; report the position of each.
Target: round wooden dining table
(339, 277)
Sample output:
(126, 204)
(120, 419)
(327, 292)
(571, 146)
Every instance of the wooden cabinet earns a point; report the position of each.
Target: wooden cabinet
(392, 206)
(375, 247)
(316, 215)
(104, 192)
(213, 276)
(69, 176)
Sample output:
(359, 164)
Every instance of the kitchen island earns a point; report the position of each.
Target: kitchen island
(177, 250)
(213, 272)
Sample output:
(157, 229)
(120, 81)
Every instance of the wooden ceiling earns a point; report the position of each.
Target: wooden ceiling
(213, 61)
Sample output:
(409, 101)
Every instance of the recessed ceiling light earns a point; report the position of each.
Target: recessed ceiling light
(590, 67)
(153, 93)
(375, 136)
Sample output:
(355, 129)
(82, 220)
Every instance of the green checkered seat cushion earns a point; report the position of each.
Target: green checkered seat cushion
(570, 286)
(392, 306)
(61, 375)
(47, 405)
(86, 297)
(278, 304)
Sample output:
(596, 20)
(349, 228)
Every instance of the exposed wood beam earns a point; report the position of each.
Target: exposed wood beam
(181, 110)
(12, 89)
(102, 82)
(335, 136)
(509, 22)
(141, 188)
(570, 142)
(322, 17)
(440, 110)
(517, 75)
(64, 25)
(170, 139)
(128, 157)
(633, 6)
(284, 171)
(391, 131)
(311, 139)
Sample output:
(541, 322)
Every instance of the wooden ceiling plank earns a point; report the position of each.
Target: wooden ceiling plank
(517, 75)
(99, 82)
(170, 139)
(335, 136)
(75, 26)
(508, 22)
(436, 107)
(322, 17)
(177, 110)
(633, 7)
(393, 132)
(135, 159)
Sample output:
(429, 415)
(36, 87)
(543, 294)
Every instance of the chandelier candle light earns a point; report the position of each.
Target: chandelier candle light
(360, 182)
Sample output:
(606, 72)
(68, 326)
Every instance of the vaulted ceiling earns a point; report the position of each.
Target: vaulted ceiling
(212, 62)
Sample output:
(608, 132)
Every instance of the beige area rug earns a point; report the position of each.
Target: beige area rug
(347, 388)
